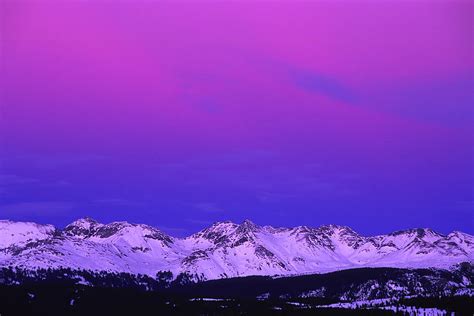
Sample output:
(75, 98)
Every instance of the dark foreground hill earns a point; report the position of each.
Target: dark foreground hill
(376, 291)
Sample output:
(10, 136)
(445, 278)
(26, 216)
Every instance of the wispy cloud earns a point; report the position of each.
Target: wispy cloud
(9, 181)
(311, 80)
(12, 179)
(12, 182)
(60, 160)
(48, 208)
(321, 83)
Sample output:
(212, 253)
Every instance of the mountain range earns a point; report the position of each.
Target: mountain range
(224, 249)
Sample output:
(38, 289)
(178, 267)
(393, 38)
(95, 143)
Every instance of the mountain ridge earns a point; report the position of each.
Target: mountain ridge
(225, 249)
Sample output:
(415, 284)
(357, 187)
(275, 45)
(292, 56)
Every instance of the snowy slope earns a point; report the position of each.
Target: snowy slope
(19, 233)
(225, 249)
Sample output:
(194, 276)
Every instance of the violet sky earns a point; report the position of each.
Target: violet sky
(182, 113)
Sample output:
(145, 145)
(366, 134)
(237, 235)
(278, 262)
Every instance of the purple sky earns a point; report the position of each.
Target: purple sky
(179, 114)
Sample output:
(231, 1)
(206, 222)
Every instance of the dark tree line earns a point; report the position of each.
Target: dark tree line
(65, 291)
(68, 276)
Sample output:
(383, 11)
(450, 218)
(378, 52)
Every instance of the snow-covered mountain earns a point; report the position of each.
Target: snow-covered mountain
(225, 249)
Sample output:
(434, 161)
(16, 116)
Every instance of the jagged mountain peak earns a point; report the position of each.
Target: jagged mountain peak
(131, 230)
(331, 235)
(336, 229)
(459, 234)
(89, 228)
(227, 233)
(302, 228)
(247, 226)
(218, 233)
(222, 225)
(463, 240)
(82, 227)
(421, 233)
(85, 222)
(217, 228)
(248, 222)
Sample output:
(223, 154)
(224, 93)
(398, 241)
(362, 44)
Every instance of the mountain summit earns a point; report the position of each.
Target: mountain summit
(224, 249)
